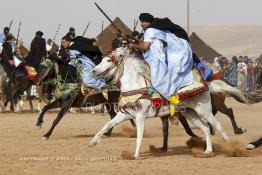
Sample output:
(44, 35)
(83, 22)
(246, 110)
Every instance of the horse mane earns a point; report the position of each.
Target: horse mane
(139, 64)
(131, 59)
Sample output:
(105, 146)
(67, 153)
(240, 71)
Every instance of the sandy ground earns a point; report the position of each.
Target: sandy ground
(22, 151)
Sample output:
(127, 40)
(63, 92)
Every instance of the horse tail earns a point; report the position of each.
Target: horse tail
(219, 86)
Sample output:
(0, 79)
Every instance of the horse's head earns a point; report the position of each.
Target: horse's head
(45, 71)
(109, 65)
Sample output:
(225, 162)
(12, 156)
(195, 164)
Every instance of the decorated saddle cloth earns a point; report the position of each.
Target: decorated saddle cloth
(131, 99)
(68, 80)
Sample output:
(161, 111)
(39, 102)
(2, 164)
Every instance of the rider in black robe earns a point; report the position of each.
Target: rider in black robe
(37, 50)
(7, 54)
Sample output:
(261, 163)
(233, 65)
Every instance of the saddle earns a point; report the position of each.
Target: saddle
(130, 99)
(30, 72)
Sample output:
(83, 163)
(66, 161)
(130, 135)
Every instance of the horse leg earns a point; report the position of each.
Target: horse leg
(255, 144)
(54, 104)
(39, 101)
(230, 114)
(119, 118)
(5, 104)
(195, 119)
(112, 114)
(133, 123)
(204, 109)
(218, 104)
(1, 106)
(10, 93)
(140, 126)
(185, 124)
(60, 115)
(165, 133)
(28, 93)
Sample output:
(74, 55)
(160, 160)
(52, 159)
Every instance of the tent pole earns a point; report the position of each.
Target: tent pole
(188, 15)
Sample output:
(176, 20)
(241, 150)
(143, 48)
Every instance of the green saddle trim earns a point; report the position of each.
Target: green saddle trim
(65, 89)
(151, 90)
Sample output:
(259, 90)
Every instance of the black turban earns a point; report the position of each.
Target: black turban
(146, 17)
(72, 29)
(39, 33)
(6, 29)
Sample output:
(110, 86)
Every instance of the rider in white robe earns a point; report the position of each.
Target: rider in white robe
(170, 60)
(169, 57)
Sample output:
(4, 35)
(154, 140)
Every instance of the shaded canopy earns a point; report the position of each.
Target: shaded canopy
(201, 49)
(105, 38)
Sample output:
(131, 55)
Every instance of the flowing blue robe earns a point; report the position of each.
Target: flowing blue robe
(87, 66)
(170, 60)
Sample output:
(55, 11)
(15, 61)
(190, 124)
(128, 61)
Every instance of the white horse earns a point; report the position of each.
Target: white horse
(129, 71)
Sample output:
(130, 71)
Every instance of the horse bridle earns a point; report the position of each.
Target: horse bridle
(117, 62)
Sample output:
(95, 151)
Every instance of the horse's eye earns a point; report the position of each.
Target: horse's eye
(109, 61)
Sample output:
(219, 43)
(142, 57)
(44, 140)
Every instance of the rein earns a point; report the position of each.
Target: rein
(118, 62)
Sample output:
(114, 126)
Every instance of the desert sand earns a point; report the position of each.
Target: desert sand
(23, 152)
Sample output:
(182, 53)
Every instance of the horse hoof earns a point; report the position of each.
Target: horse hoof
(45, 138)
(163, 149)
(250, 147)
(244, 130)
(107, 134)
(240, 131)
(38, 126)
(136, 157)
(92, 143)
(208, 152)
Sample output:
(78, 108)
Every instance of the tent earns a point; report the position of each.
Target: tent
(201, 49)
(105, 38)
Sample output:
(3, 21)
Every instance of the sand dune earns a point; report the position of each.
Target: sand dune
(231, 40)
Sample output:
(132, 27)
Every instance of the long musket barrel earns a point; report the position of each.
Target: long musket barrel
(135, 25)
(86, 28)
(10, 24)
(107, 17)
(53, 40)
(18, 33)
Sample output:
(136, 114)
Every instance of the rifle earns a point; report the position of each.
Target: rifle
(107, 17)
(10, 24)
(127, 37)
(18, 33)
(86, 28)
(135, 25)
(53, 40)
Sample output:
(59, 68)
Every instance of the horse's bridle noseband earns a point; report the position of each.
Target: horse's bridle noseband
(116, 63)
